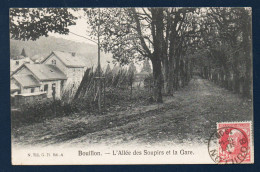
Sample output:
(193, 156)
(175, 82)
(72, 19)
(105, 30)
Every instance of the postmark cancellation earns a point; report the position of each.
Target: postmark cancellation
(232, 143)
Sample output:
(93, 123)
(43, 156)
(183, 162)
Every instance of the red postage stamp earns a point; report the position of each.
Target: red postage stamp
(232, 143)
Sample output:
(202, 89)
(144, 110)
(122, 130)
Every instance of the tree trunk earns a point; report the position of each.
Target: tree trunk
(170, 81)
(158, 79)
(157, 26)
(177, 73)
(165, 73)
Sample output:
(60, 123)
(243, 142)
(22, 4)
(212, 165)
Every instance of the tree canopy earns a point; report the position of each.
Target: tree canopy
(32, 23)
(217, 39)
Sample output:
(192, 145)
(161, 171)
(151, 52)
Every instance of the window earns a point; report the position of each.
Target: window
(32, 90)
(46, 87)
(53, 62)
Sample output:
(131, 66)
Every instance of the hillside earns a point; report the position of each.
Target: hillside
(43, 46)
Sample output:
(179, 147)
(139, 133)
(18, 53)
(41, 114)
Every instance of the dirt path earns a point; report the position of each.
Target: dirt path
(189, 116)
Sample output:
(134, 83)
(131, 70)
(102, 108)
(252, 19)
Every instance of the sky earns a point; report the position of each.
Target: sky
(80, 28)
(83, 29)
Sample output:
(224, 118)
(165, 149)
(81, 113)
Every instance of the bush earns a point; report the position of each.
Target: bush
(40, 110)
(117, 93)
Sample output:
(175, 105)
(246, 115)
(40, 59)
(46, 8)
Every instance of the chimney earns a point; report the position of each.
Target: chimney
(17, 62)
(73, 54)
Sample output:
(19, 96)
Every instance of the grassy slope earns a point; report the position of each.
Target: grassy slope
(189, 116)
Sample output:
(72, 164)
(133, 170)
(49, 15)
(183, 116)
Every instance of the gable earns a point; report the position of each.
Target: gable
(59, 63)
(14, 85)
(23, 71)
(13, 81)
(41, 72)
(67, 58)
(27, 80)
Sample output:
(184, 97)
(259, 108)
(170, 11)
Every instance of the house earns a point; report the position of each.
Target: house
(37, 78)
(15, 64)
(69, 63)
(54, 73)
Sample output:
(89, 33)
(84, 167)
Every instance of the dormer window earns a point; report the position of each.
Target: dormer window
(53, 62)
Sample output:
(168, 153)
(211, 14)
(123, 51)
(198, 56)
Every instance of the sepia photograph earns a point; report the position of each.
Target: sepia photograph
(168, 85)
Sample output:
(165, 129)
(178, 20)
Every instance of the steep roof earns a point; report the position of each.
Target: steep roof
(68, 59)
(43, 72)
(14, 87)
(26, 80)
(46, 71)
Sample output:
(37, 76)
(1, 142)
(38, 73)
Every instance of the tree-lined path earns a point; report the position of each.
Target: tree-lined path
(216, 42)
(190, 115)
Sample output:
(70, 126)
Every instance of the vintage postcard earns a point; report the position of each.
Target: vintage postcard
(170, 85)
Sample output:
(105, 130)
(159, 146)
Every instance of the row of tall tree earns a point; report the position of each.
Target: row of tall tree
(165, 36)
(227, 55)
(174, 39)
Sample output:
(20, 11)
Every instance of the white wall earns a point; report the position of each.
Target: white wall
(59, 64)
(74, 75)
(28, 90)
(49, 92)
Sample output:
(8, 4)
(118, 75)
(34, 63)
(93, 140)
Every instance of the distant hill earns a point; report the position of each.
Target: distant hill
(45, 45)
